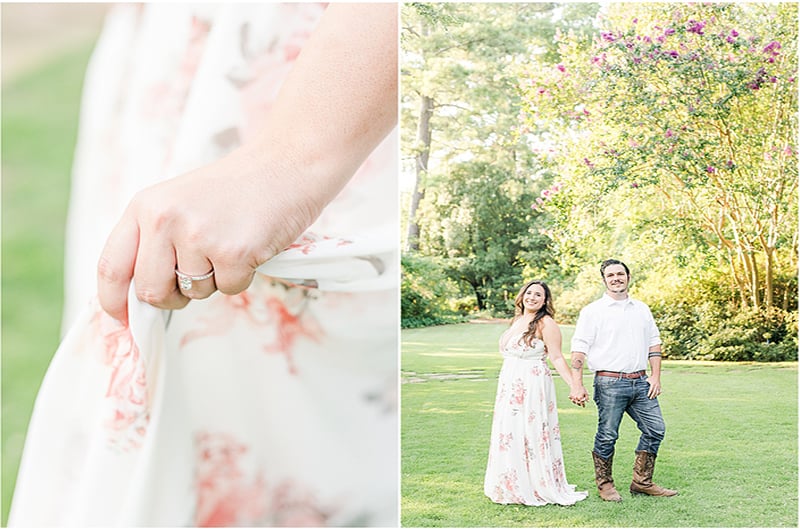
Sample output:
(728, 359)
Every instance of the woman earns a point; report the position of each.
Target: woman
(525, 461)
(241, 156)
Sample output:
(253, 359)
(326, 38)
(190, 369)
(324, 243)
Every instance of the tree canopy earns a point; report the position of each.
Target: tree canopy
(544, 138)
(689, 109)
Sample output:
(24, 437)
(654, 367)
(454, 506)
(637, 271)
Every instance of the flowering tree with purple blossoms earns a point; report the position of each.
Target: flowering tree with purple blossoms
(687, 114)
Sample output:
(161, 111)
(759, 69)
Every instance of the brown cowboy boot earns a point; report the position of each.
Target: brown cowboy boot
(605, 482)
(643, 477)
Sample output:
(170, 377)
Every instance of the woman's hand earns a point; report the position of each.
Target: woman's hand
(230, 217)
(335, 106)
(578, 394)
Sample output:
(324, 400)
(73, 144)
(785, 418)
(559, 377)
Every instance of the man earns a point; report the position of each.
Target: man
(617, 336)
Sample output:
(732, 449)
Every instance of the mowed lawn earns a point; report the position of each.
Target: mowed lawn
(730, 449)
(39, 124)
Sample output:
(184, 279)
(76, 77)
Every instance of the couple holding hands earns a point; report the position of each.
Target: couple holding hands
(617, 337)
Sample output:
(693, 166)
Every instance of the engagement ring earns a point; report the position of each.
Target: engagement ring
(185, 280)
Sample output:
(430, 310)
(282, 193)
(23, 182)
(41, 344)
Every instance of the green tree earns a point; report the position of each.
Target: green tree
(460, 114)
(688, 111)
(476, 224)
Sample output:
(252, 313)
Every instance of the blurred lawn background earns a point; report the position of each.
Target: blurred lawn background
(45, 50)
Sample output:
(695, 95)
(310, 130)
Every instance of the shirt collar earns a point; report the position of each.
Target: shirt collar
(610, 301)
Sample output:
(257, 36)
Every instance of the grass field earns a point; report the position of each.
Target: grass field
(39, 122)
(730, 448)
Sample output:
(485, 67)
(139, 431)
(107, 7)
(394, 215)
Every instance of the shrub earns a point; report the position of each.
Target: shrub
(426, 293)
(681, 334)
(708, 332)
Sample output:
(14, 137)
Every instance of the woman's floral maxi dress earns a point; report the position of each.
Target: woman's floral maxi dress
(526, 465)
(275, 407)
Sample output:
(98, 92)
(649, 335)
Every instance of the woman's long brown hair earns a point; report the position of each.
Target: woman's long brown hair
(547, 309)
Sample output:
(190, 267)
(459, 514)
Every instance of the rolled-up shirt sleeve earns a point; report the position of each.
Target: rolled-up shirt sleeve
(654, 337)
(583, 338)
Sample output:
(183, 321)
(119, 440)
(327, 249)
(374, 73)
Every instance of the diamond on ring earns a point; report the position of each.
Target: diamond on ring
(185, 280)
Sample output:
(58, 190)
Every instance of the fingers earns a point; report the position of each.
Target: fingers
(115, 268)
(654, 391)
(159, 232)
(156, 283)
(579, 400)
(232, 277)
(195, 265)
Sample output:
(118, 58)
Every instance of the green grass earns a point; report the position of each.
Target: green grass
(730, 448)
(39, 122)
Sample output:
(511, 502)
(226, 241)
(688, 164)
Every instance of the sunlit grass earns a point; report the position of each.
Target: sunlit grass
(39, 125)
(731, 445)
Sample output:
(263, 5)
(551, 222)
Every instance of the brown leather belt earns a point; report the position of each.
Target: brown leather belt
(632, 375)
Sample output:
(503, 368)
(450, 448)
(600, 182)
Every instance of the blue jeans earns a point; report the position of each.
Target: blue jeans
(615, 396)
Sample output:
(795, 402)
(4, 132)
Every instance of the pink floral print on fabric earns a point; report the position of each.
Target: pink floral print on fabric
(308, 242)
(270, 305)
(229, 495)
(518, 392)
(507, 489)
(225, 495)
(228, 310)
(505, 440)
(544, 440)
(558, 474)
(166, 98)
(527, 453)
(529, 470)
(266, 69)
(290, 328)
(126, 394)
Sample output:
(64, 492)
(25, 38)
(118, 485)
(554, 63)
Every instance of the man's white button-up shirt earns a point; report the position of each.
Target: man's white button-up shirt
(615, 335)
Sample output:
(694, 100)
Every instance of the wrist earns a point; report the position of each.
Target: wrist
(288, 174)
(317, 164)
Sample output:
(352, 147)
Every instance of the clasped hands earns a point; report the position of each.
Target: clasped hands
(578, 395)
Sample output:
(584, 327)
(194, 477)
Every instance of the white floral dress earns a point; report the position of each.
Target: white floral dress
(526, 464)
(275, 407)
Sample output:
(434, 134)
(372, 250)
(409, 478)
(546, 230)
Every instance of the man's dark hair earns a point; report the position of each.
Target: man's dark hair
(609, 262)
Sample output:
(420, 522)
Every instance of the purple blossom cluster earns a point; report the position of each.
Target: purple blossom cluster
(705, 53)
(608, 36)
(657, 46)
(761, 77)
(771, 50)
(695, 26)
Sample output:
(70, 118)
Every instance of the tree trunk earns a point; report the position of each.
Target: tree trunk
(480, 297)
(769, 263)
(424, 143)
(731, 260)
(755, 279)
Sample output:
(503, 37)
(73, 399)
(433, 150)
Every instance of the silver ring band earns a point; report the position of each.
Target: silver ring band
(185, 280)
